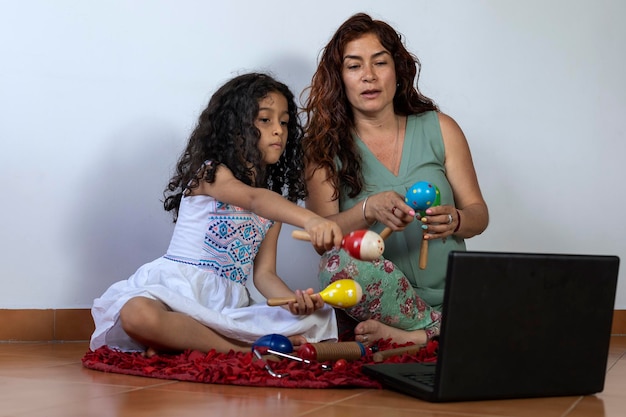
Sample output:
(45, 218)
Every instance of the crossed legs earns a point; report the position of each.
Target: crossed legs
(151, 323)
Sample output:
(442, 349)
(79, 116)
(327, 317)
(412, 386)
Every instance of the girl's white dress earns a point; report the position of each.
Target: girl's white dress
(203, 274)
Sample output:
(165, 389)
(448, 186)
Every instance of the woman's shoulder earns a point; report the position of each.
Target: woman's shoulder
(429, 122)
(449, 126)
(444, 122)
(426, 117)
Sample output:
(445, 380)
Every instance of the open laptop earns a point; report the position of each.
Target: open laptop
(516, 325)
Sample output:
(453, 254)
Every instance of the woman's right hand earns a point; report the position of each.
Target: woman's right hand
(323, 233)
(389, 208)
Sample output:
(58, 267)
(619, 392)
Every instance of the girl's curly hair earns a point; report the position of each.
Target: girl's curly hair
(225, 134)
(328, 111)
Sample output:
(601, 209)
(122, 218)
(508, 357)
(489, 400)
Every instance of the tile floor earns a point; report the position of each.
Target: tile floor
(48, 380)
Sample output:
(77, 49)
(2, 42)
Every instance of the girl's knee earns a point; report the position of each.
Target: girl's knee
(138, 312)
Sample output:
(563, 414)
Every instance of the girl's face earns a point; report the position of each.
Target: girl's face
(272, 122)
(369, 75)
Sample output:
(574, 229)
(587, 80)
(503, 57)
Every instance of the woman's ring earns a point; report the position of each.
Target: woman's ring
(364, 338)
(450, 219)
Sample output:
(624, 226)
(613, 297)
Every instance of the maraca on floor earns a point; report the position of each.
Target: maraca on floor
(273, 341)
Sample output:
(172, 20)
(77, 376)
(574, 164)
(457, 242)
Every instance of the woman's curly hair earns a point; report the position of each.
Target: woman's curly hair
(328, 111)
(226, 134)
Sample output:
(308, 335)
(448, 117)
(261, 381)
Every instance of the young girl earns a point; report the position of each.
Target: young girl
(244, 153)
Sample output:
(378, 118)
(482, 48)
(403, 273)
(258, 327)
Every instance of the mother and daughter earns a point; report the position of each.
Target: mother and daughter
(369, 133)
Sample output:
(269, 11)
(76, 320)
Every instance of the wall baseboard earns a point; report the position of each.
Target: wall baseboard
(32, 325)
(70, 325)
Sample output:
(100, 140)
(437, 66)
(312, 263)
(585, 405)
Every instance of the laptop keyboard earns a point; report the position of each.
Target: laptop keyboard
(421, 378)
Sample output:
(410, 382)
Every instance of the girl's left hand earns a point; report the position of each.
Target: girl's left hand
(440, 222)
(306, 302)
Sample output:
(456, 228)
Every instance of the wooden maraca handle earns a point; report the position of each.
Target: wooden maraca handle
(424, 254)
(386, 233)
(300, 235)
(279, 301)
(384, 354)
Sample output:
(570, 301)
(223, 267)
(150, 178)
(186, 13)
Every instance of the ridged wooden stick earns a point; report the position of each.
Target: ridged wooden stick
(381, 355)
(331, 351)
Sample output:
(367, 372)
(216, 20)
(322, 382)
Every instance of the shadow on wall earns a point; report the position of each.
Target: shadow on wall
(295, 72)
(297, 261)
(120, 223)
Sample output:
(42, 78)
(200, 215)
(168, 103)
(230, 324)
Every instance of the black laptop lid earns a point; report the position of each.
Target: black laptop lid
(525, 325)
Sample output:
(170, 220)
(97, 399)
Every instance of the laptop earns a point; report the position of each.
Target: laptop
(516, 325)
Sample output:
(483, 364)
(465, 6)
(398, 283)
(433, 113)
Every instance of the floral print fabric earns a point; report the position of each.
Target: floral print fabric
(388, 296)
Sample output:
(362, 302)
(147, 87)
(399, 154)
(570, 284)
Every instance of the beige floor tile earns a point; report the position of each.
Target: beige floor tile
(49, 380)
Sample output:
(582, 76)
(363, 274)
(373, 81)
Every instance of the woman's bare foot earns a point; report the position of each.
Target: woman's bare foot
(297, 340)
(369, 331)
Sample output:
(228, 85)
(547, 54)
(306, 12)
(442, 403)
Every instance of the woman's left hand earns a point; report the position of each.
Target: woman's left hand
(440, 222)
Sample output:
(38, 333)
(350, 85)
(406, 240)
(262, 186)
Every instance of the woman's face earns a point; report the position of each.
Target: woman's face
(369, 75)
(272, 121)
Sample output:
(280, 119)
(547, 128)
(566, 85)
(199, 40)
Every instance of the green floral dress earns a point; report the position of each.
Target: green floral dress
(396, 291)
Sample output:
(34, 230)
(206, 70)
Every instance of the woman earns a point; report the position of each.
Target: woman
(370, 135)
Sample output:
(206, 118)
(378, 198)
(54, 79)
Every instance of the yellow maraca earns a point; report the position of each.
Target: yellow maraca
(343, 293)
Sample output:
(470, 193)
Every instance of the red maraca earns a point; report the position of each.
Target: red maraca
(360, 244)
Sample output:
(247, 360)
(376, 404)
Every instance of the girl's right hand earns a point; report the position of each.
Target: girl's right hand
(323, 233)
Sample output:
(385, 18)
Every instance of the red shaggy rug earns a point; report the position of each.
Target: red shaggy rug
(244, 368)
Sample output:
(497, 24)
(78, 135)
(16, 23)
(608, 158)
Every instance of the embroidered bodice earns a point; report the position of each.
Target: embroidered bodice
(217, 236)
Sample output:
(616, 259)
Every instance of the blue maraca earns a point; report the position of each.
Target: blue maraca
(273, 341)
(421, 196)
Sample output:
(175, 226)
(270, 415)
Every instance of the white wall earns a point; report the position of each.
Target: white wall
(97, 99)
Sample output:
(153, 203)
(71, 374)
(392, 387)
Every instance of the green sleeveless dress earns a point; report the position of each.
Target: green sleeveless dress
(397, 292)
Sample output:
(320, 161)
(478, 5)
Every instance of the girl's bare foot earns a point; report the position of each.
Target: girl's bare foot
(150, 352)
(369, 331)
